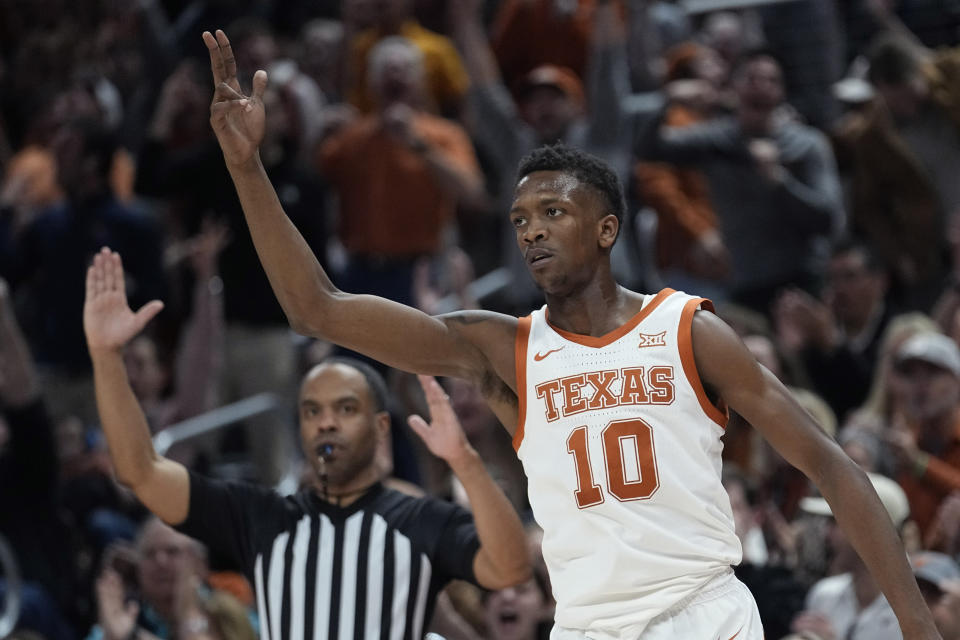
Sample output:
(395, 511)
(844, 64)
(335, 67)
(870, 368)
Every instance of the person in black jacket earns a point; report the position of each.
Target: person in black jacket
(837, 337)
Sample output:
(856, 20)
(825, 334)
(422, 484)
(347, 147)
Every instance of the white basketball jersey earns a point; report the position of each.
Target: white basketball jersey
(621, 447)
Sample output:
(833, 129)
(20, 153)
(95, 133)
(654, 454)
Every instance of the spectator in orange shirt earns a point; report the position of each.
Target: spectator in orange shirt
(445, 79)
(400, 173)
(927, 435)
(691, 254)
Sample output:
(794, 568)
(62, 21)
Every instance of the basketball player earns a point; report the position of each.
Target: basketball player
(616, 400)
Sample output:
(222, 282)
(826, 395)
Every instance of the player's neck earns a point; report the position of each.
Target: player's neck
(594, 310)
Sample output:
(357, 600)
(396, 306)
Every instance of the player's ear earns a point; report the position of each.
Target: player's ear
(609, 227)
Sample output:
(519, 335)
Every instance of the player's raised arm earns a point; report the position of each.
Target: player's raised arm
(161, 484)
(728, 368)
(395, 334)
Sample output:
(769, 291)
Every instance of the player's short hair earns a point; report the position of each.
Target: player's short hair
(375, 381)
(584, 167)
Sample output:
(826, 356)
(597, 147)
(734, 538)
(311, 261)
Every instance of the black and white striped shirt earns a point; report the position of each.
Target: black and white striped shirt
(371, 570)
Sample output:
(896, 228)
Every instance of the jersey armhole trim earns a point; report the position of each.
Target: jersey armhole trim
(520, 360)
(716, 412)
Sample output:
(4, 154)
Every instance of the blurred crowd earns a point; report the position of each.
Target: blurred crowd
(798, 161)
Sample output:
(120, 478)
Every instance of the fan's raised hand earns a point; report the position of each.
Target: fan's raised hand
(237, 120)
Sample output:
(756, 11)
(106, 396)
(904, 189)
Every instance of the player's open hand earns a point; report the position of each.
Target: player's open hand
(237, 120)
(108, 320)
(443, 436)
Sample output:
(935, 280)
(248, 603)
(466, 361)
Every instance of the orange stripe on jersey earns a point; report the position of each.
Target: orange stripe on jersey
(520, 362)
(616, 334)
(718, 413)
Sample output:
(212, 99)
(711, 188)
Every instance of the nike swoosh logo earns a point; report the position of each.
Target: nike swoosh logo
(736, 634)
(540, 356)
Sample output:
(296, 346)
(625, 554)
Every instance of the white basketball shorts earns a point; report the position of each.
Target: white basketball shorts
(723, 610)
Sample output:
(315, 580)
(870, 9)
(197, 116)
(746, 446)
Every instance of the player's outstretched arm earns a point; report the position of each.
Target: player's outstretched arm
(727, 367)
(503, 559)
(161, 484)
(395, 334)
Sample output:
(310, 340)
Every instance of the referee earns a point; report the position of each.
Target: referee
(347, 558)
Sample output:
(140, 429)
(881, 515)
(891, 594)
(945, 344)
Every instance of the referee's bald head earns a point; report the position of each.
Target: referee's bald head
(376, 385)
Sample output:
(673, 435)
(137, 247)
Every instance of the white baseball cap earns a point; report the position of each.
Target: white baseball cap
(891, 495)
(932, 347)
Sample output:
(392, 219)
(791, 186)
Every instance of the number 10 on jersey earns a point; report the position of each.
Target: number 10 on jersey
(616, 439)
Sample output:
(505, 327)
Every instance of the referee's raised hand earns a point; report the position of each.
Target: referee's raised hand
(443, 436)
(503, 559)
(108, 320)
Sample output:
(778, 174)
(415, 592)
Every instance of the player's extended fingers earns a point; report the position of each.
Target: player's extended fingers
(225, 92)
(216, 57)
(259, 84)
(229, 61)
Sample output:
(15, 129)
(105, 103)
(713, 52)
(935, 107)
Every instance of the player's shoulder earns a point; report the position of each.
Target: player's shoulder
(655, 298)
(709, 332)
(689, 305)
